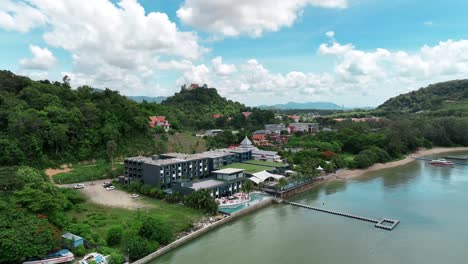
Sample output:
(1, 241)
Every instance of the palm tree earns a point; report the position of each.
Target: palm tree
(247, 187)
(282, 183)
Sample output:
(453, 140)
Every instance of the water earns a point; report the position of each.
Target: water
(254, 198)
(430, 202)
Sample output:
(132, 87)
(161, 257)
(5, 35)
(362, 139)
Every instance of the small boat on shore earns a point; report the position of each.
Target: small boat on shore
(441, 162)
(96, 257)
(62, 256)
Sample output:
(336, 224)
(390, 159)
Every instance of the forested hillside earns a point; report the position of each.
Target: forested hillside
(43, 121)
(198, 106)
(447, 98)
(45, 124)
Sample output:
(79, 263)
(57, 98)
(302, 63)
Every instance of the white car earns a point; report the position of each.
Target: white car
(110, 188)
(134, 195)
(78, 186)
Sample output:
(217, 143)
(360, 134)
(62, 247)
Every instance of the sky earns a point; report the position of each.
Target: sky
(350, 52)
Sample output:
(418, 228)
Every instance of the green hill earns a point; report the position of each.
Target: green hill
(45, 124)
(205, 101)
(447, 98)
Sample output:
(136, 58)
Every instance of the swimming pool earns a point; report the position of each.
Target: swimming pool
(254, 198)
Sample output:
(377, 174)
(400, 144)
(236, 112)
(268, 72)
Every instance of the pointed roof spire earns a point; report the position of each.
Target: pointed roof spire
(246, 142)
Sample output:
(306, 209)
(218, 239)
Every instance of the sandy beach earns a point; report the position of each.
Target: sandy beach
(347, 174)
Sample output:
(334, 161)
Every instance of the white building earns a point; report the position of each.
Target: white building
(258, 154)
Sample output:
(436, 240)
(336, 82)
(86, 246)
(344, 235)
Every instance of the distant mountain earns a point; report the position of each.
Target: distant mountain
(449, 98)
(148, 99)
(309, 105)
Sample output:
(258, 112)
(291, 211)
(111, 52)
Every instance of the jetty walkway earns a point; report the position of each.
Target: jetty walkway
(385, 223)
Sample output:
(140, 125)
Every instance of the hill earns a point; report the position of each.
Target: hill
(203, 100)
(44, 124)
(447, 98)
(309, 105)
(204, 108)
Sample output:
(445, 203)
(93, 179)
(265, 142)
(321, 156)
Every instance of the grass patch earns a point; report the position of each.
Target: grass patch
(100, 218)
(267, 163)
(249, 168)
(88, 172)
(185, 143)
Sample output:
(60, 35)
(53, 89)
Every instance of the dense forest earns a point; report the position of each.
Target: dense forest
(439, 98)
(44, 123)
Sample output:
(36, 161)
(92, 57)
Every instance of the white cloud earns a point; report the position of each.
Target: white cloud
(197, 74)
(365, 77)
(428, 23)
(223, 69)
(236, 17)
(19, 16)
(330, 34)
(42, 59)
(117, 45)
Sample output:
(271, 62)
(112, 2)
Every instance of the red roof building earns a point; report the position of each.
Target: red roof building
(194, 86)
(216, 116)
(295, 118)
(246, 114)
(159, 121)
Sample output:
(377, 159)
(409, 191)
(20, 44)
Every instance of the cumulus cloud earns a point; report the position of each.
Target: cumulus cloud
(42, 59)
(236, 17)
(118, 45)
(223, 69)
(367, 77)
(19, 16)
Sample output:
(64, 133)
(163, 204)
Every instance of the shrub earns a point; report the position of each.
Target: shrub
(139, 247)
(79, 251)
(114, 235)
(157, 230)
(116, 258)
(173, 198)
(362, 160)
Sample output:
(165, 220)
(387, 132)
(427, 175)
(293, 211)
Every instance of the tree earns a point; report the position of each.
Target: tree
(111, 148)
(202, 199)
(139, 247)
(114, 235)
(282, 183)
(156, 230)
(247, 187)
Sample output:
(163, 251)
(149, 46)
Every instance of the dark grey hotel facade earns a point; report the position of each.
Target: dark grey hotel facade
(163, 170)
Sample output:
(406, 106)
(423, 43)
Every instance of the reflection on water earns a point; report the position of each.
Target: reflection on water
(429, 201)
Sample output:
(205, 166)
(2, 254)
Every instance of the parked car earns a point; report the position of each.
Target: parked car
(110, 188)
(106, 184)
(134, 195)
(78, 186)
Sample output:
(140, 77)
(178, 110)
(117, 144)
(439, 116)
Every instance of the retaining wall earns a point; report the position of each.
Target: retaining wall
(200, 232)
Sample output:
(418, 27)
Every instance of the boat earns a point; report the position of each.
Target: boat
(62, 256)
(441, 162)
(96, 257)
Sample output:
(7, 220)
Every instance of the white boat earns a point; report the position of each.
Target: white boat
(98, 259)
(441, 162)
(62, 256)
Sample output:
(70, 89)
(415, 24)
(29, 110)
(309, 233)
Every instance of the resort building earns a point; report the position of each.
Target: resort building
(224, 183)
(304, 127)
(257, 154)
(213, 132)
(162, 170)
(276, 128)
(159, 121)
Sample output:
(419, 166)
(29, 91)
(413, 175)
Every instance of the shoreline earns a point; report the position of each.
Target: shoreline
(349, 174)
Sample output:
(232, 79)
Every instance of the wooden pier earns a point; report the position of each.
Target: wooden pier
(385, 223)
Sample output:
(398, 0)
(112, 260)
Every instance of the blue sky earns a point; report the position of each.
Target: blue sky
(351, 52)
